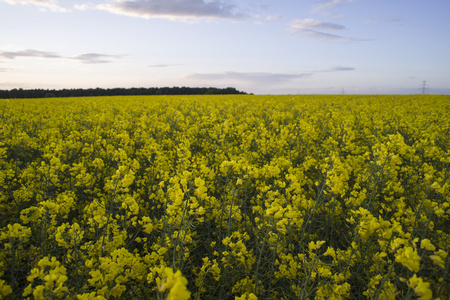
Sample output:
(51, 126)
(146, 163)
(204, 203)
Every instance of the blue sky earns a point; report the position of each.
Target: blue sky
(258, 46)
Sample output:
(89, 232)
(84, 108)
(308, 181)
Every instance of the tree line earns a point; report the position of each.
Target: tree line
(46, 93)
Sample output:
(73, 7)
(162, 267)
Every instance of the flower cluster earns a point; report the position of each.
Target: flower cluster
(225, 197)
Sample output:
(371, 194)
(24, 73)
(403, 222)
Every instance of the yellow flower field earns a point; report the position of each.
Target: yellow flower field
(225, 197)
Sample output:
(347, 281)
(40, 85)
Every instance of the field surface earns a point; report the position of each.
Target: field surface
(225, 197)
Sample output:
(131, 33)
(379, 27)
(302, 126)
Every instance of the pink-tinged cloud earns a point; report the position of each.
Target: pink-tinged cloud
(171, 9)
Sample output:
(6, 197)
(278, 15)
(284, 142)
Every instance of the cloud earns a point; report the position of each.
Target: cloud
(320, 29)
(325, 6)
(4, 69)
(169, 9)
(249, 77)
(300, 25)
(28, 53)
(95, 58)
(315, 28)
(266, 77)
(51, 5)
(260, 82)
(338, 69)
(263, 18)
(390, 21)
(165, 65)
(87, 58)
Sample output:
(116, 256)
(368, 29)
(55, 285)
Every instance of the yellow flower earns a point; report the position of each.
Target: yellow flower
(247, 296)
(5, 289)
(315, 246)
(90, 296)
(425, 243)
(28, 290)
(409, 258)
(38, 292)
(178, 292)
(331, 252)
(421, 288)
(89, 263)
(199, 182)
(175, 282)
(96, 276)
(19, 232)
(324, 272)
(438, 258)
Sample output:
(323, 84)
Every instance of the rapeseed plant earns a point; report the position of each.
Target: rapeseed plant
(225, 197)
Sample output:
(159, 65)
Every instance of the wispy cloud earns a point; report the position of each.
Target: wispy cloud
(300, 25)
(250, 76)
(337, 69)
(51, 5)
(325, 6)
(96, 58)
(390, 21)
(320, 29)
(256, 80)
(264, 82)
(264, 18)
(262, 77)
(87, 58)
(316, 28)
(3, 69)
(169, 9)
(165, 65)
(246, 80)
(28, 53)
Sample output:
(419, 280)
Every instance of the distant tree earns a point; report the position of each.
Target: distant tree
(50, 95)
(212, 91)
(41, 93)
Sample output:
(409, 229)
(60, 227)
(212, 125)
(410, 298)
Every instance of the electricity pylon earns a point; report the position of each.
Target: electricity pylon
(424, 87)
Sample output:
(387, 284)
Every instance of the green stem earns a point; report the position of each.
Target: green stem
(178, 235)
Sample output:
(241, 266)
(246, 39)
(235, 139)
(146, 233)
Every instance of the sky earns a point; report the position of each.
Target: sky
(256, 46)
